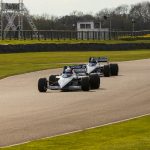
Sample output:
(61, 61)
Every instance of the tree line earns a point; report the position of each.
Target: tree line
(122, 18)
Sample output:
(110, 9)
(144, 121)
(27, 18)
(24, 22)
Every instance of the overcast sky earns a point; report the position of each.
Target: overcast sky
(64, 7)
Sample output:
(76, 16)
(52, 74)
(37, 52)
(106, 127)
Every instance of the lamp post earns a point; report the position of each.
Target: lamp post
(74, 26)
(133, 26)
(110, 25)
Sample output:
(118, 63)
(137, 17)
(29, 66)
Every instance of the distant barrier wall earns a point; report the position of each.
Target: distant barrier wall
(71, 47)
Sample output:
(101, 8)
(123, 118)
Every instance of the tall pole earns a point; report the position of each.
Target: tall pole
(20, 19)
(110, 29)
(110, 25)
(21, 13)
(133, 27)
(100, 25)
(100, 29)
(1, 21)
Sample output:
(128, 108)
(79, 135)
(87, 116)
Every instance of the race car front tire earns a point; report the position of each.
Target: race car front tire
(85, 84)
(94, 81)
(42, 85)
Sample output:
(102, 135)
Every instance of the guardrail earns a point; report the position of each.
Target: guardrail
(71, 35)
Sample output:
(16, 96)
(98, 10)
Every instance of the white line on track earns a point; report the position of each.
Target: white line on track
(107, 124)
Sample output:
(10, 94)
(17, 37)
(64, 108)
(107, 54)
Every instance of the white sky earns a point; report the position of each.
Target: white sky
(64, 7)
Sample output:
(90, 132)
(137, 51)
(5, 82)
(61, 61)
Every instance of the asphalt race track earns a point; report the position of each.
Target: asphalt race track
(26, 114)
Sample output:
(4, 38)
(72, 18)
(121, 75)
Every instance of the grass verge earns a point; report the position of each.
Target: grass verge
(71, 41)
(18, 63)
(129, 135)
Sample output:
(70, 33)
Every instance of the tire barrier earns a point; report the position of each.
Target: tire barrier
(21, 48)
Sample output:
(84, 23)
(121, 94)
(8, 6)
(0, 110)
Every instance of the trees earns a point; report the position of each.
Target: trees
(141, 13)
(121, 18)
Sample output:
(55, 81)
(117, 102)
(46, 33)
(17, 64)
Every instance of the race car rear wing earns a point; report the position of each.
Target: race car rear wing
(103, 59)
(99, 59)
(77, 68)
(81, 66)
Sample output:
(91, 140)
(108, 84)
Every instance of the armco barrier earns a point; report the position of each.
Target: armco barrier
(71, 47)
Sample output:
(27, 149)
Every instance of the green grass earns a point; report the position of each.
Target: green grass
(12, 64)
(130, 135)
(13, 42)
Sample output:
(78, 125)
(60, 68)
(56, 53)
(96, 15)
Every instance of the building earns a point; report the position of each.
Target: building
(92, 30)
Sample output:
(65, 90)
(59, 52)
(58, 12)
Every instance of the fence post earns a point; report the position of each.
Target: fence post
(117, 36)
(64, 35)
(87, 35)
(70, 34)
(45, 36)
(82, 35)
(98, 35)
(24, 35)
(58, 35)
(31, 34)
(2, 35)
(104, 35)
(10, 35)
(38, 36)
(76, 33)
(93, 35)
(51, 35)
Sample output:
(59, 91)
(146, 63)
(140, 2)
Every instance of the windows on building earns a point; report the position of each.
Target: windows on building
(85, 26)
(97, 25)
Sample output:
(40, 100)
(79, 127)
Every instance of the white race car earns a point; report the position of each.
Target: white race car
(102, 66)
(69, 80)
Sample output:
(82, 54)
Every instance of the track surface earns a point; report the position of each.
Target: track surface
(26, 114)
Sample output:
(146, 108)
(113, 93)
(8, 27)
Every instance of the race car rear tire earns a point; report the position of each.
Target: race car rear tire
(52, 79)
(42, 85)
(85, 84)
(107, 71)
(114, 69)
(94, 81)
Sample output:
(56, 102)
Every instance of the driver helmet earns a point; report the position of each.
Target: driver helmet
(68, 70)
(93, 60)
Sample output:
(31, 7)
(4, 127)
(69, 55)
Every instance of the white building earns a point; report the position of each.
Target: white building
(92, 30)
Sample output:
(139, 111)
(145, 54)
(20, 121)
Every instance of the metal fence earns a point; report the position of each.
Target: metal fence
(70, 35)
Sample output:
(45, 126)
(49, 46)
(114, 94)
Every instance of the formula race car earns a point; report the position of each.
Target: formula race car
(103, 66)
(69, 80)
(99, 66)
